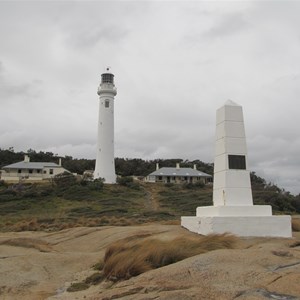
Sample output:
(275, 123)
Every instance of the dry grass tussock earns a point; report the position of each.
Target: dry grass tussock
(135, 255)
(296, 224)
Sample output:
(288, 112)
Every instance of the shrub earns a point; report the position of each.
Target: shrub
(124, 180)
(133, 256)
(295, 244)
(296, 224)
(3, 183)
(199, 184)
(134, 185)
(99, 266)
(94, 278)
(196, 185)
(64, 179)
(77, 286)
(96, 184)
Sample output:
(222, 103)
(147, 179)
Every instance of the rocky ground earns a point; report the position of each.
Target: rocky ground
(41, 265)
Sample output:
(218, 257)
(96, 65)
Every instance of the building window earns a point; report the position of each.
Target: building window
(51, 171)
(106, 103)
(38, 171)
(159, 177)
(45, 172)
(30, 171)
(237, 162)
(19, 171)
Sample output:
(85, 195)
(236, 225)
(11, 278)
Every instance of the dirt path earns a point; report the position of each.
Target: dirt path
(151, 196)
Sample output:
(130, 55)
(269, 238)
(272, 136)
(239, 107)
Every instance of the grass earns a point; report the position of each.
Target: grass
(182, 201)
(31, 207)
(46, 207)
(135, 255)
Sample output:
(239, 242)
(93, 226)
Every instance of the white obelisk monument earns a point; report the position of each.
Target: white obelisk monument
(233, 210)
(105, 161)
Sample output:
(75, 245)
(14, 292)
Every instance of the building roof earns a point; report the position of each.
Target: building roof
(31, 165)
(179, 172)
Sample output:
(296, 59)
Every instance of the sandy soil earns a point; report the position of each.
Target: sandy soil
(41, 265)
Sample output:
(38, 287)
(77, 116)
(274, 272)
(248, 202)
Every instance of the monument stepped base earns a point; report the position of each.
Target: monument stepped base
(263, 226)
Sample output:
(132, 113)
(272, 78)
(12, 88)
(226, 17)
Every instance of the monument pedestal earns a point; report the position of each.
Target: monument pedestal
(239, 220)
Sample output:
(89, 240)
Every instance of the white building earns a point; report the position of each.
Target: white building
(31, 171)
(178, 175)
(105, 161)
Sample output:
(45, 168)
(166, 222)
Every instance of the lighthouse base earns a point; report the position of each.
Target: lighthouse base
(242, 221)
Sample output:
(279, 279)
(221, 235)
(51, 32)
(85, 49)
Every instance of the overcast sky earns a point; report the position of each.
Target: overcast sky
(175, 64)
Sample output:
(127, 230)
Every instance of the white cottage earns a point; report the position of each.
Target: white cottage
(178, 175)
(31, 171)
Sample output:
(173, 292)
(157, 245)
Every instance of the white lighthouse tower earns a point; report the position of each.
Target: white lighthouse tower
(105, 162)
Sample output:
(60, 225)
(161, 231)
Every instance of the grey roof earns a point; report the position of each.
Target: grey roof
(179, 172)
(31, 165)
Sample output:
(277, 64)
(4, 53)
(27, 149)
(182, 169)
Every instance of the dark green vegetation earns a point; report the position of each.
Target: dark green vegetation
(67, 202)
(124, 166)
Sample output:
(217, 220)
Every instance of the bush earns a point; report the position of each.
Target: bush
(99, 266)
(96, 185)
(94, 278)
(296, 224)
(77, 286)
(64, 179)
(125, 181)
(134, 185)
(198, 184)
(3, 183)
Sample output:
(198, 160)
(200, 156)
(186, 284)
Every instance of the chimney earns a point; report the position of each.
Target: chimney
(177, 166)
(157, 166)
(195, 167)
(59, 161)
(26, 158)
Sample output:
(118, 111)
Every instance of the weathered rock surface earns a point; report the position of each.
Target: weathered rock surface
(39, 265)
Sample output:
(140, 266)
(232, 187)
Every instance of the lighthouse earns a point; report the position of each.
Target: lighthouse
(105, 162)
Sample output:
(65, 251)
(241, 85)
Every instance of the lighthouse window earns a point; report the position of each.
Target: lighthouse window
(237, 162)
(106, 103)
(107, 78)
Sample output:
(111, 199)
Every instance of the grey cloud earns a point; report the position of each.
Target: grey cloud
(90, 37)
(228, 24)
(11, 89)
